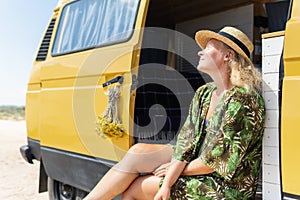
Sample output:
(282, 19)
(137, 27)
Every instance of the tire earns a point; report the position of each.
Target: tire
(60, 191)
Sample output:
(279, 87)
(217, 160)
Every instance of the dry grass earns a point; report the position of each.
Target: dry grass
(15, 113)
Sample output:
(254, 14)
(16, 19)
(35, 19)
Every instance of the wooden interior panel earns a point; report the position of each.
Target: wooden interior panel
(175, 11)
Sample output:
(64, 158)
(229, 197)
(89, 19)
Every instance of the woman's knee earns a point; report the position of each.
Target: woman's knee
(137, 148)
(133, 190)
(127, 195)
(141, 148)
(144, 158)
(144, 187)
(132, 159)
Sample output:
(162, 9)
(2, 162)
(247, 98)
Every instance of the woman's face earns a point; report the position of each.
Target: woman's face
(212, 57)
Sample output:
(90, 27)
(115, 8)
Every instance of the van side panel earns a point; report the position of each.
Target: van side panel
(68, 115)
(72, 95)
(32, 110)
(290, 128)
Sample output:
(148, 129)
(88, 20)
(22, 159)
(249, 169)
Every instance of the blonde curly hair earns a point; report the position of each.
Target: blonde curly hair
(244, 74)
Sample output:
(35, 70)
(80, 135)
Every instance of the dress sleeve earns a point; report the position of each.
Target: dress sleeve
(224, 150)
(186, 142)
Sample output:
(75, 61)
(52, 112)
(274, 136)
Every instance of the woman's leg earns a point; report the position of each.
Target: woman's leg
(113, 183)
(143, 188)
(140, 158)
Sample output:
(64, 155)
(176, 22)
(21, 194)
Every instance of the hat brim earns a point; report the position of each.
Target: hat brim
(202, 38)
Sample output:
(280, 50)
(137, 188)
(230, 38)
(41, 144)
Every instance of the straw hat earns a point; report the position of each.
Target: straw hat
(231, 36)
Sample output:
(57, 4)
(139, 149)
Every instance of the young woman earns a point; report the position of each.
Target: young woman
(218, 150)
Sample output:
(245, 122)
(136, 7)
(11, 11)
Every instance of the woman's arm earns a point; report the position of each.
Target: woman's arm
(172, 175)
(196, 167)
(177, 168)
(174, 171)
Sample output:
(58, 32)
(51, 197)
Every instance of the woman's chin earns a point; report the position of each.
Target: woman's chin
(201, 69)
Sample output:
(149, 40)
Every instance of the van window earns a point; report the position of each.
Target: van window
(86, 24)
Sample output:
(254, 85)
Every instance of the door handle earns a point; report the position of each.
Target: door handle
(118, 79)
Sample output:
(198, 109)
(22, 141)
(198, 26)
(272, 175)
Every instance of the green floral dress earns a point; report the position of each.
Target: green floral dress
(230, 144)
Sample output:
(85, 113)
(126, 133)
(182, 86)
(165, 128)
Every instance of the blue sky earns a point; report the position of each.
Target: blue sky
(22, 27)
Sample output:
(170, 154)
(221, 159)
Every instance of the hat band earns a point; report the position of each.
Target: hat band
(236, 41)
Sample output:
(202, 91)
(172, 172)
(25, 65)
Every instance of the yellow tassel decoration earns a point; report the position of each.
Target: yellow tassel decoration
(109, 125)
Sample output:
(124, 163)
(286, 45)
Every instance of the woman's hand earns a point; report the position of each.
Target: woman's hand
(172, 174)
(163, 194)
(161, 170)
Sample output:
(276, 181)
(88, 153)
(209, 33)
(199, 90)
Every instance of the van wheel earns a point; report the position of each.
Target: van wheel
(60, 191)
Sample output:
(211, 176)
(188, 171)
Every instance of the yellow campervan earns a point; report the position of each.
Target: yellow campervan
(133, 62)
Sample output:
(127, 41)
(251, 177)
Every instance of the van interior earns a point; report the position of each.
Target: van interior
(167, 74)
(175, 79)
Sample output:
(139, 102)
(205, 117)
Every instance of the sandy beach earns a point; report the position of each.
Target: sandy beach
(18, 179)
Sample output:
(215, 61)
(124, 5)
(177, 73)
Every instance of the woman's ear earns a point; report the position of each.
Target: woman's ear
(228, 56)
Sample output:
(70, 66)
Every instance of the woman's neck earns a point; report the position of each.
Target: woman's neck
(222, 81)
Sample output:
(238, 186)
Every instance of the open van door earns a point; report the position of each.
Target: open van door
(93, 42)
(290, 107)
